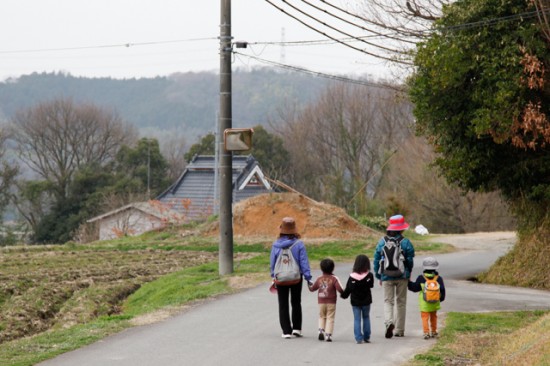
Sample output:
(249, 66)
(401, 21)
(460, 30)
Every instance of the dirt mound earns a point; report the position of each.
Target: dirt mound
(261, 215)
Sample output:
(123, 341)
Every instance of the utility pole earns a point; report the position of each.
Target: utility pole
(225, 160)
(148, 169)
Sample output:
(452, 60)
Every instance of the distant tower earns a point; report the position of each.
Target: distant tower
(283, 56)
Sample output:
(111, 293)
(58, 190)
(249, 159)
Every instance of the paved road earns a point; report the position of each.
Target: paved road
(243, 329)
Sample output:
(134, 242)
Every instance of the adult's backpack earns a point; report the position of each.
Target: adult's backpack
(392, 263)
(431, 292)
(287, 269)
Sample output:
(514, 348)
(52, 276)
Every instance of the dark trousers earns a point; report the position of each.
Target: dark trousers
(295, 293)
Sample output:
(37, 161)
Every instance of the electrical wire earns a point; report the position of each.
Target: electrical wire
(324, 75)
(369, 21)
(337, 40)
(354, 24)
(338, 30)
(107, 46)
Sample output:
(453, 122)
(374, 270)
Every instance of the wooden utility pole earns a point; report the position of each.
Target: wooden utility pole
(225, 160)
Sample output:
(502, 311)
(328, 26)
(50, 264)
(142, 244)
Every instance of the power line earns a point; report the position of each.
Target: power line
(370, 21)
(119, 45)
(321, 74)
(354, 24)
(336, 29)
(337, 40)
(493, 21)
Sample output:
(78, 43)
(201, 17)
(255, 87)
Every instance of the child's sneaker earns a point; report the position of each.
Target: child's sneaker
(434, 334)
(329, 337)
(321, 334)
(286, 336)
(427, 336)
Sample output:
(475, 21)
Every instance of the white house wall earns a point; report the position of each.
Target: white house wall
(130, 222)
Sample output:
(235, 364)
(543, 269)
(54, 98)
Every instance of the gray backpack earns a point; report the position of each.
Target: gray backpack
(287, 269)
(392, 263)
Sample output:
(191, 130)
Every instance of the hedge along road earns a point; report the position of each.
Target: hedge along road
(243, 329)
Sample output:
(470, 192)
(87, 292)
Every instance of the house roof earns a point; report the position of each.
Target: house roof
(201, 170)
(195, 193)
(153, 208)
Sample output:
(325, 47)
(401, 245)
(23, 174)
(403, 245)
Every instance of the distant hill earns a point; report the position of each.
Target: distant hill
(187, 102)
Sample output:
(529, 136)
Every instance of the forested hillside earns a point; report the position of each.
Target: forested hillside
(186, 102)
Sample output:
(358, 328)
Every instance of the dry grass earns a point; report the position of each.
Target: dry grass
(527, 346)
(526, 265)
(491, 339)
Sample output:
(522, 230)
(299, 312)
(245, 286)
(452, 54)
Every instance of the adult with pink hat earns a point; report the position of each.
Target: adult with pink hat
(393, 264)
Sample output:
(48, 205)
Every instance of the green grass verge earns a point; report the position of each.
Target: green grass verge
(467, 336)
(30, 351)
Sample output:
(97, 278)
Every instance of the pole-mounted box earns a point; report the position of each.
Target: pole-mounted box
(238, 139)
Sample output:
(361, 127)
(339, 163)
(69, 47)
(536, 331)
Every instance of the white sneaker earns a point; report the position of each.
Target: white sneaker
(286, 336)
(297, 333)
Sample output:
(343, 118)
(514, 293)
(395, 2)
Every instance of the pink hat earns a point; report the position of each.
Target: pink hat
(397, 223)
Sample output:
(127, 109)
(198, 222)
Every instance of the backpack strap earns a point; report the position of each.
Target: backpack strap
(293, 244)
(398, 240)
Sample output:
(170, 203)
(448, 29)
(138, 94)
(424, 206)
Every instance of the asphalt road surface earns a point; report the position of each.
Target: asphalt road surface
(243, 329)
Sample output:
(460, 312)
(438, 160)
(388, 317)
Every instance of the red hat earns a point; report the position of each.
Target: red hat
(397, 223)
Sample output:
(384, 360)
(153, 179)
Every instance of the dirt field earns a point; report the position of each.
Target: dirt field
(41, 287)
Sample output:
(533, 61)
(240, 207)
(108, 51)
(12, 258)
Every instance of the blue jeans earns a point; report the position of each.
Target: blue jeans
(361, 314)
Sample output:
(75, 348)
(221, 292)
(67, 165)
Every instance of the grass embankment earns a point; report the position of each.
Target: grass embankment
(526, 265)
(501, 338)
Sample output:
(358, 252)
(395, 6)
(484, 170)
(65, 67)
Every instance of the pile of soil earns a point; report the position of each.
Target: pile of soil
(260, 216)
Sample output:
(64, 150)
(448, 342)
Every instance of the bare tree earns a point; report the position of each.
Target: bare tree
(56, 138)
(8, 171)
(339, 142)
(173, 149)
(414, 187)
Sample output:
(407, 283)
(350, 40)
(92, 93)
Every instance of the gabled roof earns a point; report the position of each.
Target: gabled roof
(195, 193)
(153, 208)
(202, 170)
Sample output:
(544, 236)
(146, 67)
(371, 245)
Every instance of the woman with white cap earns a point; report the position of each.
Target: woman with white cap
(393, 264)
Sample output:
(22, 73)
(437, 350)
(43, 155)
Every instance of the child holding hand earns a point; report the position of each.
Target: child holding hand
(359, 287)
(432, 292)
(327, 286)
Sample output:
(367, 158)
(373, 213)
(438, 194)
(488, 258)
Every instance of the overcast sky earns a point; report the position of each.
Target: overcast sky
(88, 38)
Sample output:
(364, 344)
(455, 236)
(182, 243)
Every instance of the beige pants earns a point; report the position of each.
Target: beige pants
(395, 303)
(327, 313)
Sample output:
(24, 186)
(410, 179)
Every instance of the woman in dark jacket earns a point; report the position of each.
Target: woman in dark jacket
(359, 287)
